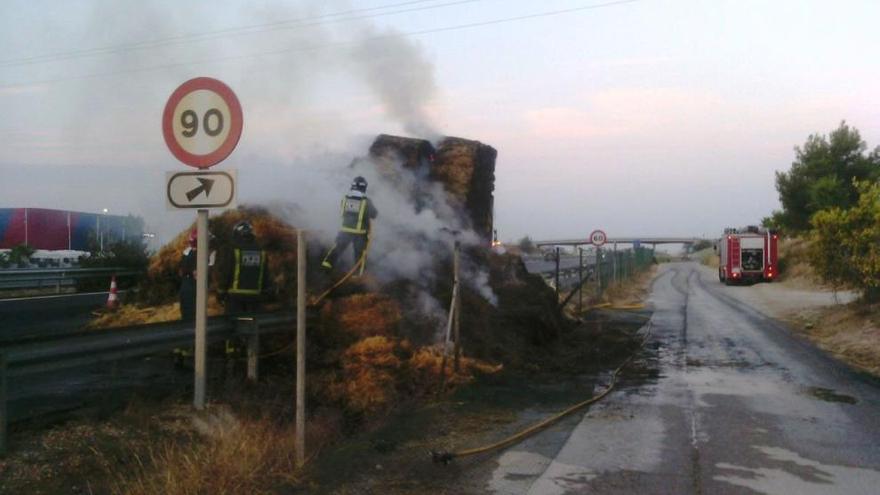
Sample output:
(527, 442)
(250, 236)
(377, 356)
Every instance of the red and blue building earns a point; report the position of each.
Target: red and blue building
(42, 228)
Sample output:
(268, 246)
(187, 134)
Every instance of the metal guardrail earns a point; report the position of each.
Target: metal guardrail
(28, 278)
(41, 354)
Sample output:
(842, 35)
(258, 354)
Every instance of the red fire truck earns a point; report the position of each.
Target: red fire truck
(748, 254)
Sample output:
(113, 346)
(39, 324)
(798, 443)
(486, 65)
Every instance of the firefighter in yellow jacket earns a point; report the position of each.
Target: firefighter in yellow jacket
(357, 213)
(248, 279)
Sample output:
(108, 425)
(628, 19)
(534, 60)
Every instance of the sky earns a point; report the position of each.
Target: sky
(642, 118)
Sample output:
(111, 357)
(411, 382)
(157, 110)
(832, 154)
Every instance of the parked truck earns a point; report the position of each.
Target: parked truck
(748, 254)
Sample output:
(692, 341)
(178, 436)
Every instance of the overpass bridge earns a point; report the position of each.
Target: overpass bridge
(653, 241)
(624, 240)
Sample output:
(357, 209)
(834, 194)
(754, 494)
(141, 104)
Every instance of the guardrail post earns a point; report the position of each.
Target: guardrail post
(253, 351)
(4, 418)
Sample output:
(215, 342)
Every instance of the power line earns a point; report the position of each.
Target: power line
(457, 27)
(300, 23)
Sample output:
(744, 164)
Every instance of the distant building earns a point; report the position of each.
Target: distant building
(63, 230)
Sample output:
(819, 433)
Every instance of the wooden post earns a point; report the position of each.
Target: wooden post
(4, 418)
(456, 308)
(301, 258)
(201, 344)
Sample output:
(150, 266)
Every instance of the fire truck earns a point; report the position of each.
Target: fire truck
(748, 254)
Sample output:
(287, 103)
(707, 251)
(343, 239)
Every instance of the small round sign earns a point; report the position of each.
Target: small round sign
(202, 122)
(598, 238)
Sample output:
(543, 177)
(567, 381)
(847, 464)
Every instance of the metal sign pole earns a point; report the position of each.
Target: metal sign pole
(580, 279)
(599, 270)
(201, 310)
(301, 258)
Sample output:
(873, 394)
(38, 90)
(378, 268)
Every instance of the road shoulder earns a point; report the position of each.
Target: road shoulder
(834, 321)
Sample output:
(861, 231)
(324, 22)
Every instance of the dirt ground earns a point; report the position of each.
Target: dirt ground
(117, 451)
(396, 459)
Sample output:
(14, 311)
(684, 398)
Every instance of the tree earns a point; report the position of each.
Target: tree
(846, 242)
(822, 177)
(20, 255)
(526, 245)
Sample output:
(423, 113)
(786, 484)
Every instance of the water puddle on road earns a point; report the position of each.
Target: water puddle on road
(828, 395)
(788, 472)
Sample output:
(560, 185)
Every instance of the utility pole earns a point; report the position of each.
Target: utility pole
(301, 258)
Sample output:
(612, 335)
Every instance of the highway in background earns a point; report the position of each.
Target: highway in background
(46, 315)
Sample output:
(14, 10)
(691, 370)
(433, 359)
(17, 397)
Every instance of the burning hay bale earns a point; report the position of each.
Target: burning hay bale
(272, 233)
(412, 153)
(464, 167)
(467, 170)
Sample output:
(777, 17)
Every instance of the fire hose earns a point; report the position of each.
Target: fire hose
(361, 262)
(445, 457)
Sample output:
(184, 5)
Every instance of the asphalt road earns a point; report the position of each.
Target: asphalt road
(737, 405)
(47, 314)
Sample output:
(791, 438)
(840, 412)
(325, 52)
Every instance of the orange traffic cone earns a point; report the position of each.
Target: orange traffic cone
(112, 298)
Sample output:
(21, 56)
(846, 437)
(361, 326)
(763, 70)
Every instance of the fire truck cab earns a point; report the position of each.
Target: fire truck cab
(748, 254)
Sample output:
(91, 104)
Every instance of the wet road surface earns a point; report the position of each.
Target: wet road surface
(737, 405)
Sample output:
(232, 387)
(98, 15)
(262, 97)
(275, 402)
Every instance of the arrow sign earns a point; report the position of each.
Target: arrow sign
(201, 189)
(206, 185)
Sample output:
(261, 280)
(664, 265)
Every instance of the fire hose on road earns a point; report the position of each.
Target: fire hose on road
(445, 457)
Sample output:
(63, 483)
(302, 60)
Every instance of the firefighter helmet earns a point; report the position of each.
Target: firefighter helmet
(359, 184)
(243, 230)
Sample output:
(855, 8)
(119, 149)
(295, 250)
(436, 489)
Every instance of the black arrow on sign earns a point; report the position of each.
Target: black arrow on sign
(205, 185)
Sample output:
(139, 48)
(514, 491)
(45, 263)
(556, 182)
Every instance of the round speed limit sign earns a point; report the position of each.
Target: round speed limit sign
(598, 238)
(202, 122)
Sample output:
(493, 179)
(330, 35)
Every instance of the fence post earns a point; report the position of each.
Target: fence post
(580, 279)
(557, 273)
(4, 418)
(457, 307)
(301, 257)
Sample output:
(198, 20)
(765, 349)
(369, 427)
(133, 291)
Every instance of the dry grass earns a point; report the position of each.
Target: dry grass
(795, 267)
(224, 455)
(134, 314)
(708, 257)
(849, 332)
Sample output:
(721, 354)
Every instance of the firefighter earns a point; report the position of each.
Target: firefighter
(248, 277)
(357, 212)
(187, 271)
